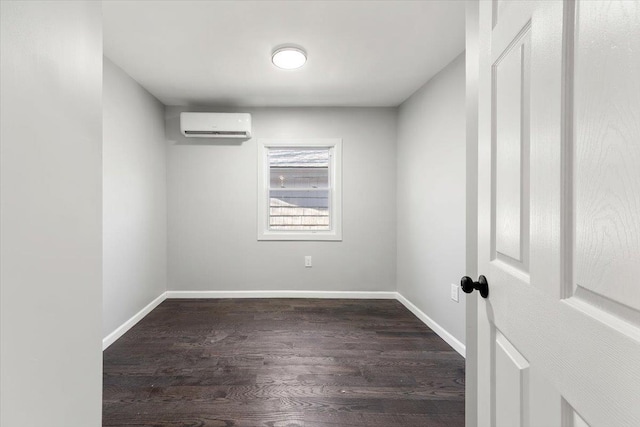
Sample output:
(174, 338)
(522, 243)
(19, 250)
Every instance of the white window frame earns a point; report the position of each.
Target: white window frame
(335, 180)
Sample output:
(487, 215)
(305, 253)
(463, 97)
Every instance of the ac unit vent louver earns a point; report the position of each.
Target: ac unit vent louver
(216, 125)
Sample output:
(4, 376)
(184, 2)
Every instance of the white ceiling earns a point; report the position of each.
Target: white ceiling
(360, 53)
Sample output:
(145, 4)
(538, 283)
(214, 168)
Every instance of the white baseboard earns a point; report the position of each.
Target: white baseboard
(283, 294)
(442, 332)
(120, 331)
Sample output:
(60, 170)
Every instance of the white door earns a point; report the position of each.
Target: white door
(559, 213)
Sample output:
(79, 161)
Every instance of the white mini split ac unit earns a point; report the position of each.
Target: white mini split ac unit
(216, 125)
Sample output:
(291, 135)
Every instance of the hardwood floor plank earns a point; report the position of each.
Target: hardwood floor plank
(282, 362)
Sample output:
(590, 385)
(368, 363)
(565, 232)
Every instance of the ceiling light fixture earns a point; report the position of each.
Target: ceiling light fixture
(289, 57)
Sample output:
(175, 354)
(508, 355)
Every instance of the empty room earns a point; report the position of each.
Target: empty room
(320, 213)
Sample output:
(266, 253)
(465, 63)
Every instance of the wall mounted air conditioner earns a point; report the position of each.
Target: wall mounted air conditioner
(216, 125)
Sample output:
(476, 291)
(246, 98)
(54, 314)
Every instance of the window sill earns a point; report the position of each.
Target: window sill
(310, 237)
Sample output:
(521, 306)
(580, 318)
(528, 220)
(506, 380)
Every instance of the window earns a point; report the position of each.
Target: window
(299, 186)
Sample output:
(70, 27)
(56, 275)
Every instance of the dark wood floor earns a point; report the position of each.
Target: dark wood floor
(282, 362)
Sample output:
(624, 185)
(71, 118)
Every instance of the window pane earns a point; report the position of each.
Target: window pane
(299, 210)
(298, 168)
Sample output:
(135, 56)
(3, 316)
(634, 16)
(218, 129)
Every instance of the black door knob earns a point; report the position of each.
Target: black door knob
(468, 285)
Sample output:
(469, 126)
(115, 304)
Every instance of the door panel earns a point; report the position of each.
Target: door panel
(512, 384)
(510, 77)
(511, 100)
(607, 157)
(570, 417)
(578, 421)
(559, 213)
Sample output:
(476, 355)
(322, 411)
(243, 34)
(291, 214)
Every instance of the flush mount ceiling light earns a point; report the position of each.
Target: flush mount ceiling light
(289, 57)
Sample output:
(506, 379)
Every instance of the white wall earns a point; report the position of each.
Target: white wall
(212, 207)
(135, 203)
(431, 197)
(51, 218)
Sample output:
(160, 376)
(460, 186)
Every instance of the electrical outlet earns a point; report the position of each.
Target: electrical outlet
(455, 292)
(307, 261)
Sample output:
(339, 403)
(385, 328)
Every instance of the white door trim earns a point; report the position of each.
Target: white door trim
(472, 65)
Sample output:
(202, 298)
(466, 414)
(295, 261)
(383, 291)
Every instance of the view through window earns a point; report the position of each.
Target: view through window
(299, 189)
